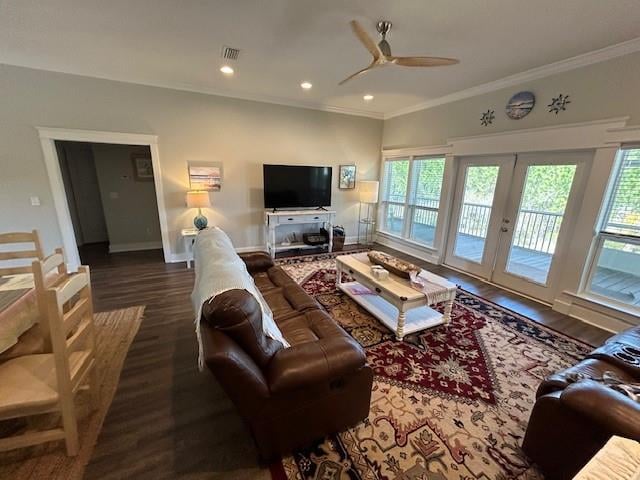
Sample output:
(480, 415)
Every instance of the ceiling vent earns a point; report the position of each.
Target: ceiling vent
(230, 53)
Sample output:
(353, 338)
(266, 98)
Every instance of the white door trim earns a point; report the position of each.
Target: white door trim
(48, 136)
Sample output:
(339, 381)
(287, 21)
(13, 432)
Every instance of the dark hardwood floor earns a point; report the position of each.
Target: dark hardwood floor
(170, 421)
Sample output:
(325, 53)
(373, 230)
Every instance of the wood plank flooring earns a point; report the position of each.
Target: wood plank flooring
(168, 420)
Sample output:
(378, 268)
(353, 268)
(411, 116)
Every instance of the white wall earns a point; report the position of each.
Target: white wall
(602, 90)
(130, 207)
(190, 127)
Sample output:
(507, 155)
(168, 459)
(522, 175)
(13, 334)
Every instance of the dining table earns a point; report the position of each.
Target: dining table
(19, 310)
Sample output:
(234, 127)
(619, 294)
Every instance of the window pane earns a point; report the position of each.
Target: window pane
(427, 175)
(624, 211)
(544, 200)
(427, 178)
(475, 211)
(394, 218)
(396, 176)
(617, 272)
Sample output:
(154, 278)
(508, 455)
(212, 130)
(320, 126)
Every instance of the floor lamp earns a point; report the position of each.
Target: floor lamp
(368, 191)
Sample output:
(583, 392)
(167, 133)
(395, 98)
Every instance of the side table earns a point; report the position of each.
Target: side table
(188, 237)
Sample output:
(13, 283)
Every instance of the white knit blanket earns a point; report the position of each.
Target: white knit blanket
(219, 269)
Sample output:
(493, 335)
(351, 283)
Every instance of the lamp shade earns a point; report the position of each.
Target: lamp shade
(368, 190)
(198, 199)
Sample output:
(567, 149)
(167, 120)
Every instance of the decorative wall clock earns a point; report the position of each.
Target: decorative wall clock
(520, 105)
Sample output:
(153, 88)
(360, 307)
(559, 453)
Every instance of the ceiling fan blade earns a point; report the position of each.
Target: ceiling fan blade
(423, 61)
(364, 37)
(359, 72)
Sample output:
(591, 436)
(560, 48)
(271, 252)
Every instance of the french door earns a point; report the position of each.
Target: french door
(510, 218)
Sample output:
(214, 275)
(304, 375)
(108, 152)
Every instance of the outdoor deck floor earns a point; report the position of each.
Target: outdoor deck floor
(535, 265)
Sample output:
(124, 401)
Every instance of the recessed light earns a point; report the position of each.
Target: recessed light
(306, 85)
(368, 97)
(226, 69)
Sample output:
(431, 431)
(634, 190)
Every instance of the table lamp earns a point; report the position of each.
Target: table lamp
(199, 199)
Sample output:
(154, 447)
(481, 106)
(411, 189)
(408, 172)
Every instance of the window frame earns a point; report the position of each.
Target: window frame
(409, 199)
(601, 235)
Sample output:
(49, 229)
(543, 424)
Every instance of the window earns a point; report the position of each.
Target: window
(615, 272)
(411, 197)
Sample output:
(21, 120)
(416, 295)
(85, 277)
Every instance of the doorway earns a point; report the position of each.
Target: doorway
(510, 218)
(111, 197)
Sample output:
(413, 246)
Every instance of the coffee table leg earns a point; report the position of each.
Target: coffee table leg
(338, 275)
(448, 306)
(400, 328)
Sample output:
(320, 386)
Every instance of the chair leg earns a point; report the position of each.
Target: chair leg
(70, 425)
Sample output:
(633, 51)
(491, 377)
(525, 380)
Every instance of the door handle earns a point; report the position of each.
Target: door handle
(506, 220)
(504, 229)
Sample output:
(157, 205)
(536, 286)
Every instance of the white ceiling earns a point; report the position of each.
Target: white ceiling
(177, 43)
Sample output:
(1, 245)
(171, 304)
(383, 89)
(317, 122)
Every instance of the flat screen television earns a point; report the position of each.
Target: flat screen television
(296, 186)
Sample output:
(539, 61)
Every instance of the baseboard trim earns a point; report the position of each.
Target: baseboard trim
(134, 247)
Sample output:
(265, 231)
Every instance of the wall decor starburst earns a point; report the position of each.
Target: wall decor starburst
(487, 118)
(559, 104)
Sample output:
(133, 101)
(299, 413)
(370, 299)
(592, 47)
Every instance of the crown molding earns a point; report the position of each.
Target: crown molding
(583, 60)
(183, 87)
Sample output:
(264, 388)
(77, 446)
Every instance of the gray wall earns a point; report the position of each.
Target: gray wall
(130, 207)
(602, 90)
(190, 127)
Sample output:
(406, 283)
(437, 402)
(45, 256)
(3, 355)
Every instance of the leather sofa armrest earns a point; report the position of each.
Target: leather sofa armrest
(325, 360)
(238, 374)
(257, 262)
(613, 411)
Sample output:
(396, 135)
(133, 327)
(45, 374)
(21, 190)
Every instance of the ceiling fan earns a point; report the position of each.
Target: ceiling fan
(381, 52)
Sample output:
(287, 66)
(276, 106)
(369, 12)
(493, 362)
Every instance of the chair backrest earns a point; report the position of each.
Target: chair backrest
(47, 273)
(8, 266)
(70, 316)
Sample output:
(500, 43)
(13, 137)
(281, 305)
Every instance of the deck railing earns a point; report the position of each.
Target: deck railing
(534, 230)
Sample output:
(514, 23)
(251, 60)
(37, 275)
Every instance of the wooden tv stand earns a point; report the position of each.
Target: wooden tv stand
(279, 218)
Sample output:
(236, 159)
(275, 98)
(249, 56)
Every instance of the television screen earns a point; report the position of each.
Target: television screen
(294, 186)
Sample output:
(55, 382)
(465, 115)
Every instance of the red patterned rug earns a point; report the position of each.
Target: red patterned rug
(447, 403)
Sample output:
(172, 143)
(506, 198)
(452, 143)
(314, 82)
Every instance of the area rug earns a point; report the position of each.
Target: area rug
(448, 403)
(115, 331)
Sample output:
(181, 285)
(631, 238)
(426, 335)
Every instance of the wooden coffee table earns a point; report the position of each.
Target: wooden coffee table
(393, 301)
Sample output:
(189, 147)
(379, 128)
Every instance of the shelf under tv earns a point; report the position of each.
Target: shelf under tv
(299, 246)
(274, 220)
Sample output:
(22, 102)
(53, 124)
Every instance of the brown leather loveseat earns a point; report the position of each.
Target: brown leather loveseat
(574, 415)
(291, 396)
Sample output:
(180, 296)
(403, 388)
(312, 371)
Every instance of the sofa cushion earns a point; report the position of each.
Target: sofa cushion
(271, 278)
(320, 351)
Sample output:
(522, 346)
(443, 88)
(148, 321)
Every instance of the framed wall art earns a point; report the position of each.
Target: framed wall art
(142, 166)
(347, 177)
(205, 176)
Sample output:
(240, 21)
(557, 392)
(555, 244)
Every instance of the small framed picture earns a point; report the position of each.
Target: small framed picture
(347, 177)
(205, 176)
(142, 167)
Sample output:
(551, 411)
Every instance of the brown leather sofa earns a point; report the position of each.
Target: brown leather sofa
(572, 420)
(288, 396)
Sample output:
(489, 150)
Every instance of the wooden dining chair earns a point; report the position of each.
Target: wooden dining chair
(13, 257)
(45, 383)
(49, 272)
